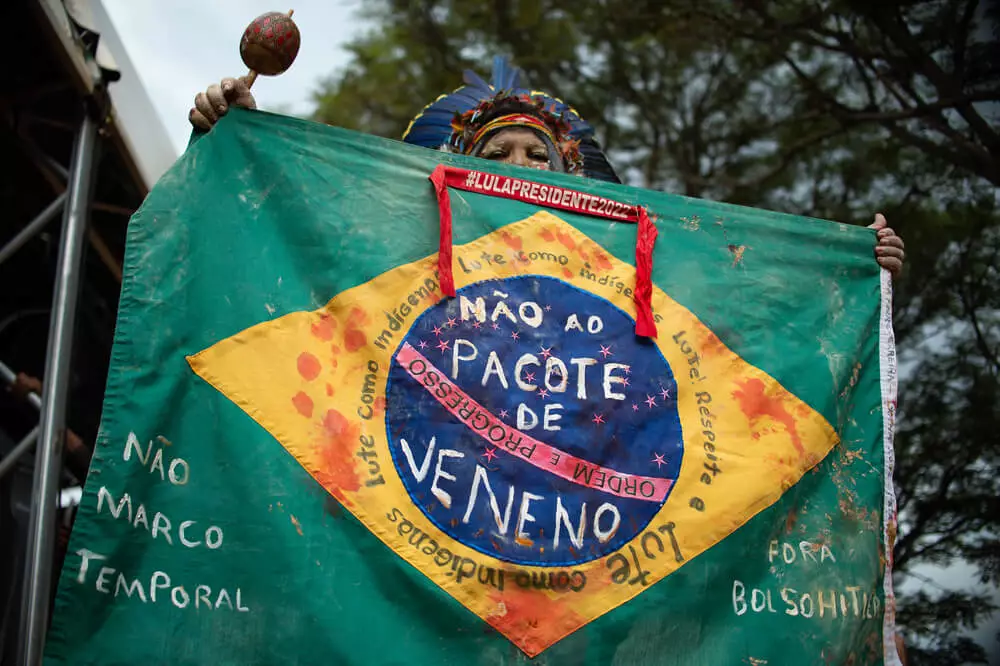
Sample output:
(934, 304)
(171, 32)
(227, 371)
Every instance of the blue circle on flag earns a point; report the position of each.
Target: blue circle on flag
(527, 421)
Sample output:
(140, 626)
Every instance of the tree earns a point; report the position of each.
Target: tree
(831, 108)
(926, 72)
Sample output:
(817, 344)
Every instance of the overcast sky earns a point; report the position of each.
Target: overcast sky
(181, 46)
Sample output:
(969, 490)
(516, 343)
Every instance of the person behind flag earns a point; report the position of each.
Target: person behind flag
(504, 121)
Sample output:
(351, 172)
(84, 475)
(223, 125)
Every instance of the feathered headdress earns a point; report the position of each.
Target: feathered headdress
(456, 119)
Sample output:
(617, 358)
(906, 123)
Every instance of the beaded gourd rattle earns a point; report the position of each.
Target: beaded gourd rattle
(269, 45)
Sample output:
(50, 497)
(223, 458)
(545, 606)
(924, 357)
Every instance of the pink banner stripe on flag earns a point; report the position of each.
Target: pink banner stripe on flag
(543, 456)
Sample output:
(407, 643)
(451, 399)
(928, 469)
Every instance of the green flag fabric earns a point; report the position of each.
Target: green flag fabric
(374, 404)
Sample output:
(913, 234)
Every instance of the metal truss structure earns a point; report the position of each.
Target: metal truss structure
(69, 159)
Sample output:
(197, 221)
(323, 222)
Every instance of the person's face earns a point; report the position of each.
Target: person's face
(517, 145)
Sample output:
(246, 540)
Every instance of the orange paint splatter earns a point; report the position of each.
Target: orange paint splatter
(324, 328)
(790, 521)
(354, 339)
(848, 456)
(297, 524)
(335, 349)
(335, 423)
(737, 251)
(547, 234)
(512, 241)
(601, 261)
(379, 405)
(329, 390)
(566, 240)
(712, 346)
(303, 404)
(357, 318)
(532, 619)
(337, 472)
(309, 366)
(755, 403)
(567, 272)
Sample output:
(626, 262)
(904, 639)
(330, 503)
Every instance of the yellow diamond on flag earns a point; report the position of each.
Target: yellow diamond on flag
(518, 444)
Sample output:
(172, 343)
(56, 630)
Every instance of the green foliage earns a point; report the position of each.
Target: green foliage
(830, 108)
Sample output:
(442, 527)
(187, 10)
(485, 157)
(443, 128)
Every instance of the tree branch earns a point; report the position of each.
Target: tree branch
(897, 31)
(978, 164)
(969, 310)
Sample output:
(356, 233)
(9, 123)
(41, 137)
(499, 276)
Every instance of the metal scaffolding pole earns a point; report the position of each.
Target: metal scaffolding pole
(8, 376)
(48, 459)
(33, 228)
(8, 461)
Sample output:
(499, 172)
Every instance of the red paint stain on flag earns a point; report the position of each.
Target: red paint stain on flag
(324, 328)
(303, 404)
(512, 241)
(566, 240)
(354, 339)
(601, 261)
(756, 404)
(337, 440)
(532, 619)
(309, 366)
(357, 318)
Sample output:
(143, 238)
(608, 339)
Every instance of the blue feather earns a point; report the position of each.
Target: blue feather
(505, 75)
(473, 80)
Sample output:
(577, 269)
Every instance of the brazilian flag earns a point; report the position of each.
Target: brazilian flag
(374, 404)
